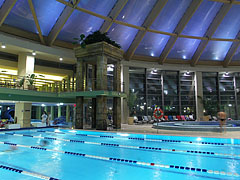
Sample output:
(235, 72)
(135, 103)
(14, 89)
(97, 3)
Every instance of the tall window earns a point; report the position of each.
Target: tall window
(210, 93)
(154, 90)
(137, 86)
(187, 93)
(227, 94)
(171, 92)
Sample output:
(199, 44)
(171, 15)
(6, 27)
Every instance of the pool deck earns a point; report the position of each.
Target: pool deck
(147, 129)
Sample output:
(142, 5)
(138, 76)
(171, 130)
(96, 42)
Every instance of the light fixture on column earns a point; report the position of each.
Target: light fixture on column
(34, 53)
(3, 46)
(60, 58)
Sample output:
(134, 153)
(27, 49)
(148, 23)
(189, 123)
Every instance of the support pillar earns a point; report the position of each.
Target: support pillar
(25, 67)
(101, 113)
(52, 112)
(199, 96)
(94, 107)
(101, 73)
(68, 84)
(59, 111)
(23, 112)
(117, 112)
(79, 113)
(125, 107)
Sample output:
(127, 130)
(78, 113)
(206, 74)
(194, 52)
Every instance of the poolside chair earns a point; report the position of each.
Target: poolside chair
(183, 117)
(214, 118)
(175, 118)
(179, 118)
(150, 120)
(170, 118)
(186, 117)
(191, 117)
(145, 119)
(139, 120)
(154, 119)
(166, 118)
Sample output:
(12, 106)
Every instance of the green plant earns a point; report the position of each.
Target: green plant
(132, 97)
(210, 106)
(31, 78)
(21, 82)
(95, 37)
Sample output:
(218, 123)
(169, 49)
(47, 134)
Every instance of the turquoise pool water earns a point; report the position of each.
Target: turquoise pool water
(71, 154)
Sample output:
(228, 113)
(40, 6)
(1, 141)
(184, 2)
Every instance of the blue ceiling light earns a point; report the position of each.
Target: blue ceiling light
(215, 49)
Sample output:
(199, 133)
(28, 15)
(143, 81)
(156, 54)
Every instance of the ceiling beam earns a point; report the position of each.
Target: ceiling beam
(231, 51)
(178, 30)
(211, 30)
(36, 21)
(120, 4)
(66, 13)
(5, 9)
(159, 5)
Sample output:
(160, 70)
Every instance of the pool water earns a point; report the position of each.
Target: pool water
(73, 154)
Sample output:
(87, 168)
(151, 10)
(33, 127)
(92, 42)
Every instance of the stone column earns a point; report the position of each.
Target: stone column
(94, 107)
(79, 113)
(80, 86)
(101, 113)
(101, 73)
(23, 112)
(68, 83)
(59, 111)
(25, 66)
(117, 77)
(125, 108)
(80, 75)
(199, 96)
(67, 113)
(117, 112)
(94, 77)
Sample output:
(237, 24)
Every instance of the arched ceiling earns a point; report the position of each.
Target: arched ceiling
(167, 31)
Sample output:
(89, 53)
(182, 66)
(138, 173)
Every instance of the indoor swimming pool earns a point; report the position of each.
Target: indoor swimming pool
(50, 153)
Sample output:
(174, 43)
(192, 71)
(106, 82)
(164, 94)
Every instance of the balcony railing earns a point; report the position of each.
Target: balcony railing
(64, 85)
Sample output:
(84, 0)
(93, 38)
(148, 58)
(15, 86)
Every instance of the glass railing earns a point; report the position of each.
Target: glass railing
(64, 85)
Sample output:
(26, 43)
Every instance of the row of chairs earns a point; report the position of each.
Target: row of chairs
(152, 119)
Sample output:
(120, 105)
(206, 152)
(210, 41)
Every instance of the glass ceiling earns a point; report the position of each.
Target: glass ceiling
(128, 20)
(1, 2)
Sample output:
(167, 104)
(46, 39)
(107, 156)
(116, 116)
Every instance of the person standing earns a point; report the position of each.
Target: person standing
(49, 118)
(222, 120)
(44, 117)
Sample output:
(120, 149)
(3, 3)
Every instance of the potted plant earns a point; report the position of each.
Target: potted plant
(95, 37)
(21, 82)
(132, 97)
(31, 78)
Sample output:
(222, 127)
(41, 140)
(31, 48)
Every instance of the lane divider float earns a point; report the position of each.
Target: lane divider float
(142, 139)
(26, 172)
(132, 147)
(129, 161)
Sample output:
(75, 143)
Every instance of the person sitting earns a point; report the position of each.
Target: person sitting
(222, 120)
